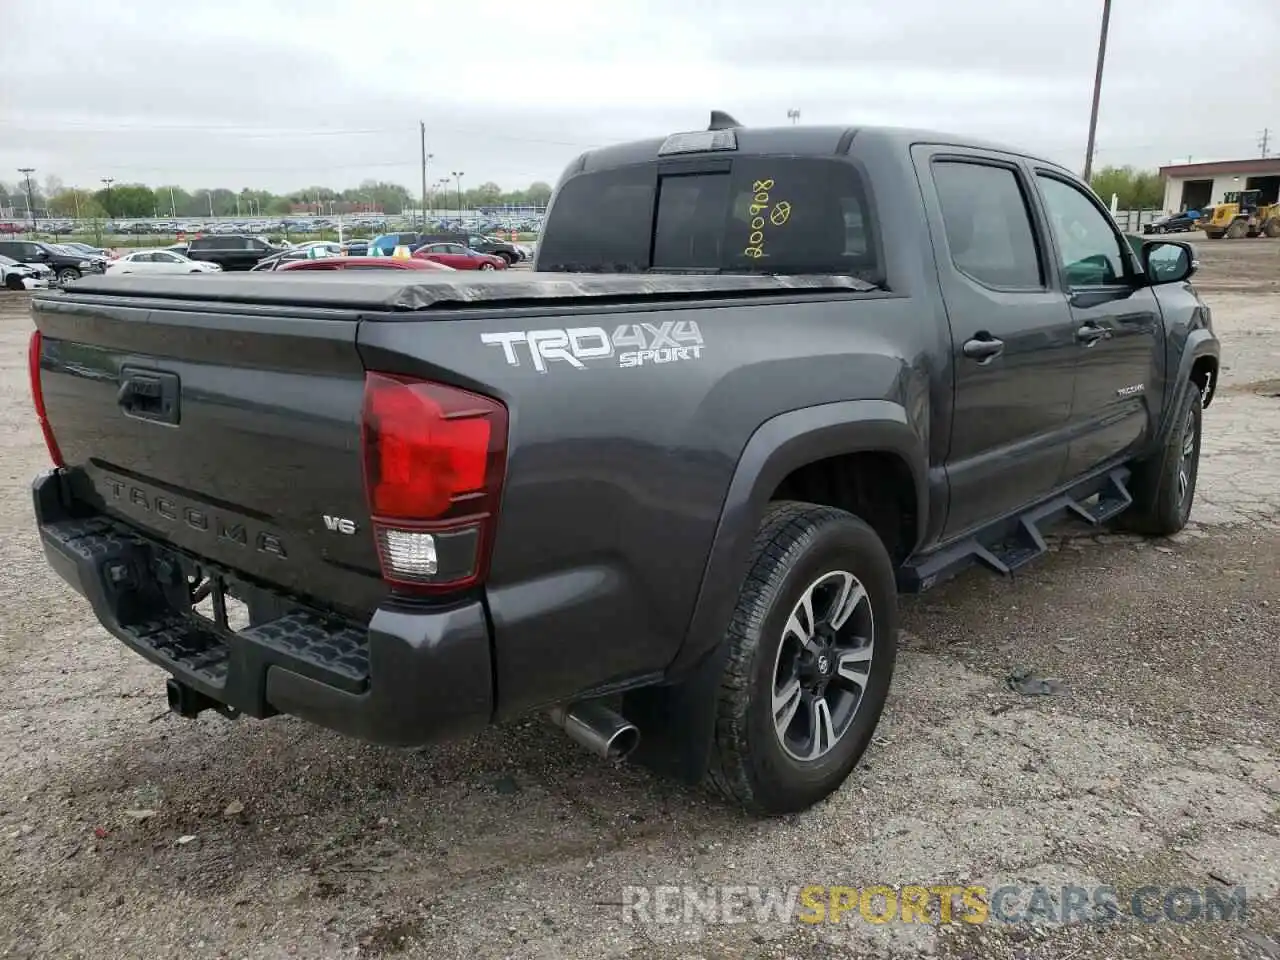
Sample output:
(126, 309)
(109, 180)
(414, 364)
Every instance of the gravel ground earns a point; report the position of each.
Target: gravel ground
(127, 832)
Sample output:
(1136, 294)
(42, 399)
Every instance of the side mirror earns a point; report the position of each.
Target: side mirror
(1167, 261)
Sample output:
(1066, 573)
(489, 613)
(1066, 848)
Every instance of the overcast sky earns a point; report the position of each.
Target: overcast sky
(285, 95)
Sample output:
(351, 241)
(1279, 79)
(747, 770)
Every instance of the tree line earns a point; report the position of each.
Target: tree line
(55, 199)
(1134, 189)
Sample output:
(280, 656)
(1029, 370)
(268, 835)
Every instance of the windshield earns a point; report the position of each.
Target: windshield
(775, 215)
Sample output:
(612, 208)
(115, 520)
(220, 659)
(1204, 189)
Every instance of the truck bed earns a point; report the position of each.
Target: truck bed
(391, 291)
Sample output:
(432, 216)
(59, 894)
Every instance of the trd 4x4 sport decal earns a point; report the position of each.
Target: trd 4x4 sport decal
(631, 345)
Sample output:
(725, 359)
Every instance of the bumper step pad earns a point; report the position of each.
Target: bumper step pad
(117, 571)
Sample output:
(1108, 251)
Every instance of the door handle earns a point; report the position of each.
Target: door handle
(983, 348)
(1091, 333)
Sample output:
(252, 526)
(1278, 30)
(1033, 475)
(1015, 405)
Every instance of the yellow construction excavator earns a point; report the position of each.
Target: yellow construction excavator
(1241, 215)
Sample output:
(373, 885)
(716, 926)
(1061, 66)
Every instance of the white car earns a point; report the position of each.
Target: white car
(159, 261)
(23, 276)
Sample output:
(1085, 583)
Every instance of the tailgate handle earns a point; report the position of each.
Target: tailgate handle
(149, 394)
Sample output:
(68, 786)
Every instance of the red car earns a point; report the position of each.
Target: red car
(458, 257)
(361, 263)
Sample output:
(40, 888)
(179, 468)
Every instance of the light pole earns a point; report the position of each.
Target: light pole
(31, 203)
(793, 115)
(457, 176)
(108, 181)
(1097, 89)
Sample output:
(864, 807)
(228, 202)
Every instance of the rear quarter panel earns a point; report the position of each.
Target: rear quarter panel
(618, 470)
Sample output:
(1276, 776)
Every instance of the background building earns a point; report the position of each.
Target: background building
(1190, 186)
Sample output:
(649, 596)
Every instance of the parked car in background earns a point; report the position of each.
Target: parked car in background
(1183, 222)
(87, 250)
(160, 261)
(356, 246)
(293, 254)
(386, 243)
(459, 257)
(20, 276)
(66, 265)
(495, 246)
(231, 251)
(365, 263)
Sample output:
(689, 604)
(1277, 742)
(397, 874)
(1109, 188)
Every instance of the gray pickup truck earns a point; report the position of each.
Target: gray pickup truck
(665, 489)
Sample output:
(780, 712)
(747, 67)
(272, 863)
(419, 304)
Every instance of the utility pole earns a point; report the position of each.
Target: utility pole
(1097, 89)
(31, 202)
(1266, 139)
(457, 176)
(426, 157)
(108, 181)
(173, 207)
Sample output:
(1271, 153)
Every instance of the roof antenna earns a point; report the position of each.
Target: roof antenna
(722, 121)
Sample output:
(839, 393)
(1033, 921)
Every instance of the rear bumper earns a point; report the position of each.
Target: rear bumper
(408, 677)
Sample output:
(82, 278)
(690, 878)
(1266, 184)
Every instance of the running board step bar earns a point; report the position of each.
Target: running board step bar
(1015, 541)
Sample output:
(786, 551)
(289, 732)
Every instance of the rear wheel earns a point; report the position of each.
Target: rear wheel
(1272, 229)
(811, 654)
(1164, 486)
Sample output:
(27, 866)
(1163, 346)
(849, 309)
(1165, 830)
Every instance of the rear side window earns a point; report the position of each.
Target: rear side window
(988, 227)
(601, 222)
(202, 243)
(754, 215)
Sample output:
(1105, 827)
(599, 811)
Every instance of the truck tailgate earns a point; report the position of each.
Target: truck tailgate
(233, 436)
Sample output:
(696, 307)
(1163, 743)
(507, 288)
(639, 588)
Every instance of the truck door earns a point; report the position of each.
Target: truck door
(1118, 331)
(1013, 343)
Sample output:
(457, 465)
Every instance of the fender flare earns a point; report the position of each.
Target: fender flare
(1200, 343)
(677, 720)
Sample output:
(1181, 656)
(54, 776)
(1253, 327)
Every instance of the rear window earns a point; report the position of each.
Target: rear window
(761, 214)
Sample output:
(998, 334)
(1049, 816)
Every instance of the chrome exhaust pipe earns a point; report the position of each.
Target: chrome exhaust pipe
(609, 735)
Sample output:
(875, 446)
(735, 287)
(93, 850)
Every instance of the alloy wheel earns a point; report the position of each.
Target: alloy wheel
(823, 665)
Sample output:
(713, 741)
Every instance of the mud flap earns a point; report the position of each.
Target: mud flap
(677, 721)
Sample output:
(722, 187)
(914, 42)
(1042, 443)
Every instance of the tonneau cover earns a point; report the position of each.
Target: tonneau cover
(393, 290)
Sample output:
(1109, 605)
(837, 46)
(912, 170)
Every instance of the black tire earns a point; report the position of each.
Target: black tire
(13, 282)
(509, 257)
(67, 274)
(1237, 230)
(795, 546)
(1162, 501)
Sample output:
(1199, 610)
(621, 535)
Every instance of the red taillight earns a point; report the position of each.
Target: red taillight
(37, 397)
(433, 464)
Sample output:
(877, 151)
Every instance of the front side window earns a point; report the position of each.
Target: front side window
(1088, 244)
(987, 224)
